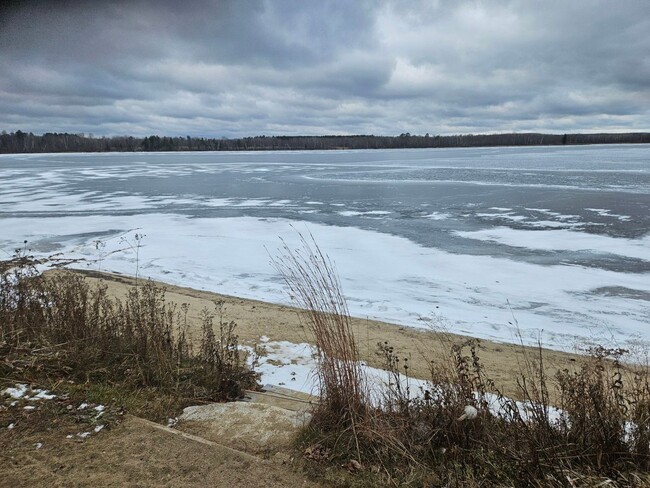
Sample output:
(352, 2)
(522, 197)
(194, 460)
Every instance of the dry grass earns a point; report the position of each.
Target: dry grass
(597, 434)
(314, 286)
(55, 328)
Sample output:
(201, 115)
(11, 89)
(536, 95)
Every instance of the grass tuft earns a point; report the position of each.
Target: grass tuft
(312, 282)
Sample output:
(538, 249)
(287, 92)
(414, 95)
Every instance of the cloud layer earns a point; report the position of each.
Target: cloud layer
(247, 67)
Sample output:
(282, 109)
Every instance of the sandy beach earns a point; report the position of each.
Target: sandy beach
(259, 321)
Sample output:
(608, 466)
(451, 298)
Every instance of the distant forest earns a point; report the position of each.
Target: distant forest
(24, 142)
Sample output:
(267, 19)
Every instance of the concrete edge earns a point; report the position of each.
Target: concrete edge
(200, 440)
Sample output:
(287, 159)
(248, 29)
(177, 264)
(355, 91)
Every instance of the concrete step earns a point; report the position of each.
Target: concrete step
(278, 396)
(265, 423)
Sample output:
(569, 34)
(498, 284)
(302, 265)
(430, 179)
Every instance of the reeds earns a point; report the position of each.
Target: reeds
(315, 287)
(596, 434)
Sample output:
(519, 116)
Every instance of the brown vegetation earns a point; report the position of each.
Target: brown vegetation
(57, 327)
(583, 426)
(462, 431)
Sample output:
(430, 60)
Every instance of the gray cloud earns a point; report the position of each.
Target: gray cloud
(247, 67)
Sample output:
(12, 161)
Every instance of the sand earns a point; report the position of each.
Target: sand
(283, 323)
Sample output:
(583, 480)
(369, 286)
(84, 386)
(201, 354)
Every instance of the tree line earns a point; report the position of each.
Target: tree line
(52, 142)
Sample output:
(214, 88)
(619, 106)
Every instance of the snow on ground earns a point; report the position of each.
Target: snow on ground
(293, 366)
(383, 276)
(24, 392)
(16, 392)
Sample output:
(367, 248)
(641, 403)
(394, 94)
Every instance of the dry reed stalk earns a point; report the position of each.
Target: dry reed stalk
(315, 287)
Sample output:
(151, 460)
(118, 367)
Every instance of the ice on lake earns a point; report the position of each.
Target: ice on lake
(554, 240)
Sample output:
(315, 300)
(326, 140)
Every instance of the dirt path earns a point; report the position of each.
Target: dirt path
(136, 453)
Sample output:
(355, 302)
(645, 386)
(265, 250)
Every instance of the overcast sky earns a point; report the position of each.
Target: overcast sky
(249, 67)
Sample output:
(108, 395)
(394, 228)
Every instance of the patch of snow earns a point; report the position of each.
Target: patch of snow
(603, 212)
(16, 392)
(545, 224)
(356, 213)
(281, 203)
(502, 216)
(284, 363)
(293, 366)
(42, 395)
(563, 221)
(557, 215)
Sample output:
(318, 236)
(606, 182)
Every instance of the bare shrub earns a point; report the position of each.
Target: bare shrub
(69, 329)
(605, 409)
(596, 436)
(221, 357)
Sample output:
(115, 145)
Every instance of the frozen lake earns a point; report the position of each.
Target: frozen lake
(557, 238)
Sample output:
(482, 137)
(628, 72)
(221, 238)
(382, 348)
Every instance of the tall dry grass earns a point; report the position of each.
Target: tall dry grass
(597, 434)
(314, 286)
(59, 326)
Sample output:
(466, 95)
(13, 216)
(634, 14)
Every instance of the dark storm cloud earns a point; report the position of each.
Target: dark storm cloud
(246, 67)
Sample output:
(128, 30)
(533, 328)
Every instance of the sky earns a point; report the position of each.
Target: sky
(232, 68)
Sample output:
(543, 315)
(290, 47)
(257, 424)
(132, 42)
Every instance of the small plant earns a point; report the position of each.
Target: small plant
(314, 285)
(222, 357)
(135, 246)
(100, 246)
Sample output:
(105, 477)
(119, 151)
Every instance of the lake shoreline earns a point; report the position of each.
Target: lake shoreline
(492, 243)
(259, 322)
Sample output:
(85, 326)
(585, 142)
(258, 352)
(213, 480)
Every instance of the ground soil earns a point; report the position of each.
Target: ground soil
(136, 453)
